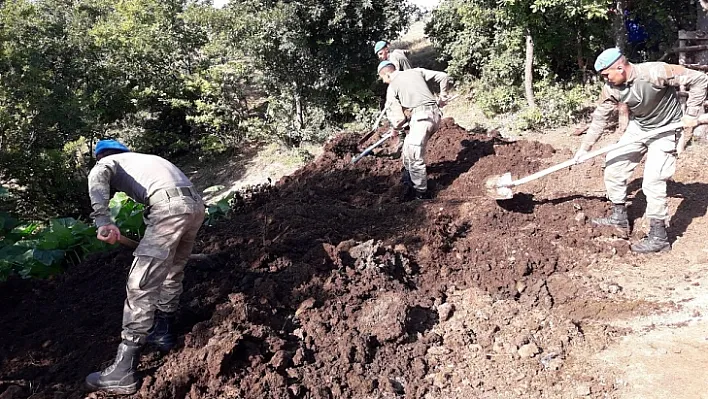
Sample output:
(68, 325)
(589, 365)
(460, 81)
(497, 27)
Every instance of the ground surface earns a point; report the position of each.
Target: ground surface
(329, 286)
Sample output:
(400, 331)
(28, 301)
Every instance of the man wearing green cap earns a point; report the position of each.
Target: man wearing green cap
(397, 57)
(409, 90)
(650, 92)
(174, 213)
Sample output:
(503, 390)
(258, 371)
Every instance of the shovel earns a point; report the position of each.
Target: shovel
(125, 241)
(370, 148)
(499, 187)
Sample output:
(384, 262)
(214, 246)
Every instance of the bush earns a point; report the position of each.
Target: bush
(498, 99)
(557, 104)
(278, 124)
(45, 184)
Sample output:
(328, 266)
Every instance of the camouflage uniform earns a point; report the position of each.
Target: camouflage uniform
(651, 96)
(409, 90)
(174, 213)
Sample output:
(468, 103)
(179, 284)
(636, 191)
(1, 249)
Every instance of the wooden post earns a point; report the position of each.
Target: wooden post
(701, 29)
(682, 55)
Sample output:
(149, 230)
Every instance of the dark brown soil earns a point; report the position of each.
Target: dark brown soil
(328, 286)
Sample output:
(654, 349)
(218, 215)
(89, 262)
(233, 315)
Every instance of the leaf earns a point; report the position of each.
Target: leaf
(7, 222)
(48, 257)
(25, 230)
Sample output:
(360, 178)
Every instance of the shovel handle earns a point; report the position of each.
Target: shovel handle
(593, 154)
(371, 147)
(122, 240)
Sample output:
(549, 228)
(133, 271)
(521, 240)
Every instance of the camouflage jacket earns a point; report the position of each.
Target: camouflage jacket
(409, 90)
(138, 175)
(651, 96)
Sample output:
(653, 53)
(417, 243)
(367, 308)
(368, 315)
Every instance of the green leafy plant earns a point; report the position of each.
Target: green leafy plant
(128, 215)
(219, 210)
(30, 251)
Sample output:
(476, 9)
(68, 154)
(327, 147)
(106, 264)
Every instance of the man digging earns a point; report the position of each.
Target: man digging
(409, 90)
(649, 90)
(400, 61)
(174, 213)
(397, 57)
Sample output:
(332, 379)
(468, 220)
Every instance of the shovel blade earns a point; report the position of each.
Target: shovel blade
(499, 187)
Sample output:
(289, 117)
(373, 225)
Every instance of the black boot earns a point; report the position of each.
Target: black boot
(423, 195)
(406, 178)
(656, 241)
(162, 334)
(121, 377)
(617, 219)
(407, 193)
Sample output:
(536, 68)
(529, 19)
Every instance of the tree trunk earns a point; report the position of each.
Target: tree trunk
(618, 25)
(582, 65)
(701, 25)
(700, 133)
(298, 117)
(528, 76)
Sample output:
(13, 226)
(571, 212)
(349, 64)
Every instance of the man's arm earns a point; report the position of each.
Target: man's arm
(676, 75)
(403, 63)
(395, 111)
(600, 117)
(441, 78)
(99, 183)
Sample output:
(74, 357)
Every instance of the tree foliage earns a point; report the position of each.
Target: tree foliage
(172, 77)
(485, 40)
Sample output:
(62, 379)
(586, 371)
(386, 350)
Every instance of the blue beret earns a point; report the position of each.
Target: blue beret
(382, 65)
(379, 45)
(104, 145)
(607, 58)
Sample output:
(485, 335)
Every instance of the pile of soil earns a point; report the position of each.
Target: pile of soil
(329, 286)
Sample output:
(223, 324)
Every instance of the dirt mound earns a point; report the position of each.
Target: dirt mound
(328, 286)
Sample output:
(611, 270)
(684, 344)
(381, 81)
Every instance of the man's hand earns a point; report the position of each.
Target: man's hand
(443, 99)
(689, 121)
(109, 233)
(579, 155)
(394, 132)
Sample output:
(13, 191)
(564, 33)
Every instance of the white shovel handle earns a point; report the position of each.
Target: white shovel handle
(593, 154)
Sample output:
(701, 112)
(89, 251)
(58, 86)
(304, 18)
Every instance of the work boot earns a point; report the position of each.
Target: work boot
(162, 334)
(656, 241)
(406, 178)
(617, 219)
(121, 377)
(423, 195)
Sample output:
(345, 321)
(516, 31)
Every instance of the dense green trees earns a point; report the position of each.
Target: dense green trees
(486, 40)
(172, 77)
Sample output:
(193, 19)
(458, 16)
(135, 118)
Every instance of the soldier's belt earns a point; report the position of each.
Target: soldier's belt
(425, 108)
(167, 193)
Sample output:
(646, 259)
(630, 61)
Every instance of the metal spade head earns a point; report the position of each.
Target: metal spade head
(499, 187)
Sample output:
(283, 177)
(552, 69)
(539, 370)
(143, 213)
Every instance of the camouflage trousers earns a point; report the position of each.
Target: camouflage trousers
(155, 278)
(659, 167)
(423, 124)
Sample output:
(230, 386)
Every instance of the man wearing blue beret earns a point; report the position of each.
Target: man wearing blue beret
(650, 92)
(396, 57)
(174, 213)
(408, 91)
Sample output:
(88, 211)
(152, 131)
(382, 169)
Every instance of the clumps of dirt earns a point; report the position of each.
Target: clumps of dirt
(328, 286)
